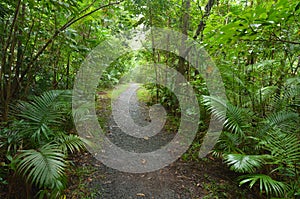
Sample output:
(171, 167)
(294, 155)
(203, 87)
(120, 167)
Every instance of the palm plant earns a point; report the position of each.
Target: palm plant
(236, 123)
(43, 114)
(42, 158)
(266, 183)
(267, 151)
(283, 154)
(43, 167)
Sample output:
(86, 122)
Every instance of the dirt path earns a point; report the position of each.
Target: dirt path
(181, 180)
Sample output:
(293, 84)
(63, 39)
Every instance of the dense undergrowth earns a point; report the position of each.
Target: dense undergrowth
(254, 44)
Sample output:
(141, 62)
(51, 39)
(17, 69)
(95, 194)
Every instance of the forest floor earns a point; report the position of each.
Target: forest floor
(205, 178)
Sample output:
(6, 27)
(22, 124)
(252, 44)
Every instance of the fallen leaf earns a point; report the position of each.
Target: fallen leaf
(141, 194)
(107, 182)
(211, 158)
(209, 69)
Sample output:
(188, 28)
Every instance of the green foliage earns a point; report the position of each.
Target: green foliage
(266, 183)
(69, 143)
(284, 148)
(82, 185)
(276, 152)
(11, 139)
(143, 95)
(38, 145)
(43, 114)
(245, 163)
(255, 45)
(259, 63)
(235, 118)
(164, 96)
(43, 167)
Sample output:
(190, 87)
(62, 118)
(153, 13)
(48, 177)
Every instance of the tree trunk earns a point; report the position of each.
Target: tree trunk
(186, 4)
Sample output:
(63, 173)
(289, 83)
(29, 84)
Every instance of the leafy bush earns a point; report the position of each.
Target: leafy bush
(267, 151)
(37, 143)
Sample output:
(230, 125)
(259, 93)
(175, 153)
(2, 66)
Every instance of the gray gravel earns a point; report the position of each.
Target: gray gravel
(120, 185)
(139, 112)
(208, 178)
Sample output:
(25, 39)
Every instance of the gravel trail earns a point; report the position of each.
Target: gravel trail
(208, 178)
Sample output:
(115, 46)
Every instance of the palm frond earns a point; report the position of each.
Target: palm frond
(71, 143)
(228, 142)
(234, 117)
(284, 147)
(289, 97)
(282, 120)
(266, 183)
(216, 106)
(43, 112)
(11, 138)
(245, 163)
(42, 167)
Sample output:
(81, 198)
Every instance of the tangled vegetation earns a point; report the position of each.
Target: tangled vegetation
(255, 44)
